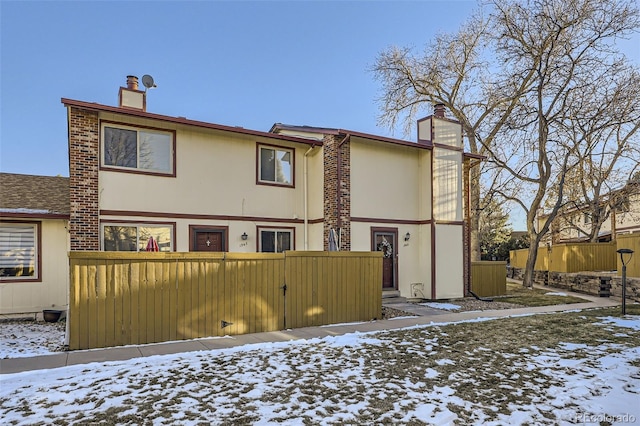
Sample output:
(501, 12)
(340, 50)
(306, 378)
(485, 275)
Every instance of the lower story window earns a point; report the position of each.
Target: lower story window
(133, 237)
(18, 251)
(275, 240)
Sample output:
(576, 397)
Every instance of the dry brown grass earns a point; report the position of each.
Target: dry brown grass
(525, 296)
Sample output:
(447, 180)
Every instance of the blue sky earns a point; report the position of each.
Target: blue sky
(238, 63)
(241, 63)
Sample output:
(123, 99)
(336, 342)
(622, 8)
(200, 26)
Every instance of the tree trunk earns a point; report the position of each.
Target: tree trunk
(474, 220)
(527, 280)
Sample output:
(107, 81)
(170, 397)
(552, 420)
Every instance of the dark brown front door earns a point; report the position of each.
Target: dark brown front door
(208, 240)
(386, 241)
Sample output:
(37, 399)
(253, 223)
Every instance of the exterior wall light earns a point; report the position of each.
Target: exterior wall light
(407, 236)
(622, 252)
(244, 236)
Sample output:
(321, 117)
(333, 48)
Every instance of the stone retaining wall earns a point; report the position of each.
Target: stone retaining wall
(581, 282)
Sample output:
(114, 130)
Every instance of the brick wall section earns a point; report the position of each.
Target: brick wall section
(84, 136)
(334, 190)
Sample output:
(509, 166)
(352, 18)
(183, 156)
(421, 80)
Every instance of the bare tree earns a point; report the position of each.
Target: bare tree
(608, 129)
(514, 80)
(451, 71)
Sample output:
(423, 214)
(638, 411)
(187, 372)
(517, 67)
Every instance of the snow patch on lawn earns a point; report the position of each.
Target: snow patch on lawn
(445, 306)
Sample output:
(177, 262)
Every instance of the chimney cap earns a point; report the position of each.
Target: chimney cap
(132, 82)
(439, 110)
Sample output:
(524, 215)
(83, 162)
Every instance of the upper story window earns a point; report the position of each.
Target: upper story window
(141, 149)
(275, 165)
(19, 252)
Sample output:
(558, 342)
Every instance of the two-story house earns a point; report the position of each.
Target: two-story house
(198, 186)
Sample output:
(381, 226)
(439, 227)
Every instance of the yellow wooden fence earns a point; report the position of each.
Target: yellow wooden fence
(579, 257)
(629, 241)
(489, 278)
(119, 298)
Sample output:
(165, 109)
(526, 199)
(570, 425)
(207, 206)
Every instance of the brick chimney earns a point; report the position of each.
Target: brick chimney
(438, 110)
(131, 96)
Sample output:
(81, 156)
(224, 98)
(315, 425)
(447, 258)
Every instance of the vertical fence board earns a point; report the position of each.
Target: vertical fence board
(165, 267)
(92, 307)
(123, 303)
(207, 302)
(179, 310)
(150, 306)
(135, 303)
(110, 302)
(157, 306)
(187, 320)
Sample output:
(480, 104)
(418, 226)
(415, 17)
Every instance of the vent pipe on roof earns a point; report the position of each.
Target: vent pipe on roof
(132, 82)
(438, 110)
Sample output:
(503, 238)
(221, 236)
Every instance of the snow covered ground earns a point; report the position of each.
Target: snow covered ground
(29, 338)
(567, 368)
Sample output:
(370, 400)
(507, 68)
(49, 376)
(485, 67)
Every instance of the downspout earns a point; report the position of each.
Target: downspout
(338, 186)
(306, 198)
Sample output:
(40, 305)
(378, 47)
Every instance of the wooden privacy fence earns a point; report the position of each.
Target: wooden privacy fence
(489, 278)
(575, 257)
(629, 241)
(119, 298)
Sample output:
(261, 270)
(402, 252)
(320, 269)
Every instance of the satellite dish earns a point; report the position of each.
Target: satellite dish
(147, 81)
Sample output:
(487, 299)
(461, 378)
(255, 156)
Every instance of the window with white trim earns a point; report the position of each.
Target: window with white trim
(136, 237)
(275, 165)
(146, 150)
(275, 240)
(18, 251)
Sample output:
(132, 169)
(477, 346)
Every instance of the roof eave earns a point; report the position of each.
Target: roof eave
(6, 215)
(92, 106)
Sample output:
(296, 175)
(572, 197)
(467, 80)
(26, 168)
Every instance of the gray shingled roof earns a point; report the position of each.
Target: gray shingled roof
(34, 194)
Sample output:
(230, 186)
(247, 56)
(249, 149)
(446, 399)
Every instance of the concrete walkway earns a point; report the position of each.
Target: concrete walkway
(425, 316)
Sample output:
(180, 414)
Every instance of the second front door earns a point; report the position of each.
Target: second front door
(208, 239)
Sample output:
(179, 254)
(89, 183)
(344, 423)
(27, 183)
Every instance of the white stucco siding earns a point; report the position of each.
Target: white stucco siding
(52, 291)
(315, 161)
(629, 219)
(215, 175)
(447, 132)
(385, 181)
(414, 256)
(447, 185)
(449, 261)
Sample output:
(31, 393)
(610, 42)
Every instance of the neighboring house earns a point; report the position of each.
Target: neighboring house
(197, 186)
(34, 271)
(575, 223)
